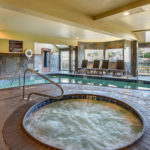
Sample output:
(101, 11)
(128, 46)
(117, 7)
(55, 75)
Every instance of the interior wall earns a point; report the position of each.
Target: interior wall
(54, 57)
(126, 45)
(36, 38)
(96, 45)
(4, 45)
(11, 63)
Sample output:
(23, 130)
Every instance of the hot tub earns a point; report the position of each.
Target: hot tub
(83, 121)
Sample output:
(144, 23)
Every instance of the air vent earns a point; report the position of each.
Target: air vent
(136, 11)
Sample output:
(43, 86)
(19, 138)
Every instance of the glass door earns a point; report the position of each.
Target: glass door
(65, 60)
(144, 61)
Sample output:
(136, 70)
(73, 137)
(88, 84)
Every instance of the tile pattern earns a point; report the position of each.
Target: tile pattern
(87, 96)
(11, 100)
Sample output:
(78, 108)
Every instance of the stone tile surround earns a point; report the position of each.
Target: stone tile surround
(11, 100)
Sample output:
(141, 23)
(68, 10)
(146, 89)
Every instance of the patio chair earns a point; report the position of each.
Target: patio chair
(112, 68)
(95, 68)
(83, 66)
(120, 68)
(104, 67)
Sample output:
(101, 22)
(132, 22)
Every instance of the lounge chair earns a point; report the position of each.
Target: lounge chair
(104, 67)
(112, 68)
(83, 66)
(95, 67)
(120, 68)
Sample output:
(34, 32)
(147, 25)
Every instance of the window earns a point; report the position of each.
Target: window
(92, 55)
(147, 36)
(144, 61)
(65, 60)
(114, 54)
(127, 59)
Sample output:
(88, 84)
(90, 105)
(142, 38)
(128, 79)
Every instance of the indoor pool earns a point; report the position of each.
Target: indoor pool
(72, 79)
(83, 124)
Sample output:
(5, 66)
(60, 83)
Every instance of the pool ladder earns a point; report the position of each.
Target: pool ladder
(37, 93)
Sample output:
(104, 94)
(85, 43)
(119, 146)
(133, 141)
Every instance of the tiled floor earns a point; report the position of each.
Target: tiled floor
(11, 99)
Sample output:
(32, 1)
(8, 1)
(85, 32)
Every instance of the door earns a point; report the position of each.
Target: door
(45, 59)
(144, 61)
(64, 60)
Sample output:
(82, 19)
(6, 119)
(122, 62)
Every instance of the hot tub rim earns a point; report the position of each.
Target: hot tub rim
(86, 96)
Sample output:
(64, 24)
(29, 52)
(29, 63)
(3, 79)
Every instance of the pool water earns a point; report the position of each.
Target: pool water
(74, 80)
(84, 124)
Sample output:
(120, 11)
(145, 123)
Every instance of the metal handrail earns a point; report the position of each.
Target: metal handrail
(40, 94)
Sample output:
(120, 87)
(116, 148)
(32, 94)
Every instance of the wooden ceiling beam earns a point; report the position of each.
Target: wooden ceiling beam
(56, 46)
(141, 30)
(122, 9)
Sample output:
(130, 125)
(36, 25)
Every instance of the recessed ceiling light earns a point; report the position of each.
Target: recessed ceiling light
(77, 38)
(126, 13)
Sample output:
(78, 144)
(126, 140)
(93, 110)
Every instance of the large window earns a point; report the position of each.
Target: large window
(127, 59)
(144, 61)
(92, 55)
(64, 60)
(114, 54)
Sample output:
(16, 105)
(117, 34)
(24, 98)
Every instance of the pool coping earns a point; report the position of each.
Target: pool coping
(73, 84)
(102, 77)
(89, 76)
(86, 96)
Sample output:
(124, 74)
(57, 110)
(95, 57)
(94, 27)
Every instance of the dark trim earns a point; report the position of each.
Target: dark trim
(12, 53)
(76, 58)
(70, 59)
(59, 60)
(64, 49)
(134, 48)
(144, 45)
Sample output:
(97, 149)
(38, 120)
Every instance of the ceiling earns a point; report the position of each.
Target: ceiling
(19, 22)
(74, 19)
(92, 7)
(137, 20)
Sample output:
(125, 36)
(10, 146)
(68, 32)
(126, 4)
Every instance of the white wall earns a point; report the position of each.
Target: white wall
(39, 46)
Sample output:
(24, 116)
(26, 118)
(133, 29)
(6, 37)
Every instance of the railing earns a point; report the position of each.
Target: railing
(40, 94)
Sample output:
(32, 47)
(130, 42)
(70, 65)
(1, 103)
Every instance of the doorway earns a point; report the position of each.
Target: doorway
(45, 59)
(65, 60)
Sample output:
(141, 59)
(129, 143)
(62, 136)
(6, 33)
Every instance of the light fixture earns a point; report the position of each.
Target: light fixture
(77, 38)
(126, 13)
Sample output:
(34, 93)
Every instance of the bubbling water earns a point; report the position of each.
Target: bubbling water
(84, 125)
